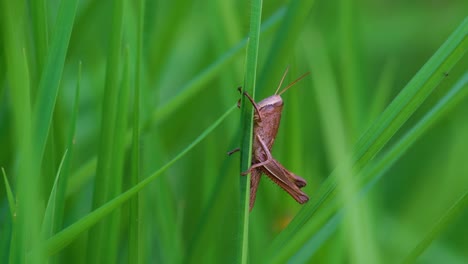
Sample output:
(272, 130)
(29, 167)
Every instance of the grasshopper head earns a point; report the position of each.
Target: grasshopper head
(274, 101)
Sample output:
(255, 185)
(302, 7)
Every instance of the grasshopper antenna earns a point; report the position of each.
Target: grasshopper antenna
(294, 82)
(282, 79)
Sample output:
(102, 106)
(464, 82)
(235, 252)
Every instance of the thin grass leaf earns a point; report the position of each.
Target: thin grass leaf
(26, 227)
(452, 98)
(63, 183)
(50, 77)
(10, 196)
(49, 215)
(454, 211)
(246, 124)
(381, 95)
(81, 176)
(40, 118)
(118, 161)
(40, 32)
(103, 183)
(353, 95)
(134, 228)
(191, 88)
(373, 140)
(69, 234)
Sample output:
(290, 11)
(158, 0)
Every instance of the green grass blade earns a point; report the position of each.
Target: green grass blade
(349, 68)
(81, 176)
(381, 96)
(49, 215)
(50, 77)
(118, 161)
(25, 229)
(64, 179)
(247, 121)
(103, 183)
(10, 196)
(453, 212)
(40, 31)
(412, 96)
(133, 230)
(65, 237)
(453, 97)
(373, 140)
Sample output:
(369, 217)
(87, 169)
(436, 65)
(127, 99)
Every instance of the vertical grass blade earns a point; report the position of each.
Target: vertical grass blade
(246, 123)
(349, 67)
(64, 179)
(50, 77)
(133, 241)
(49, 215)
(118, 159)
(26, 227)
(103, 183)
(40, 31)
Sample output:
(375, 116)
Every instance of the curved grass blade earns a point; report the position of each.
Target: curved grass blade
(65, 237)
(373, 140)
(246, 124)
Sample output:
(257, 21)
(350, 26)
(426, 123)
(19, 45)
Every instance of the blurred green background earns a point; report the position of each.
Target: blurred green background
(361, 54)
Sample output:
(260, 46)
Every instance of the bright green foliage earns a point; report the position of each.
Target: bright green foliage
(116, 116)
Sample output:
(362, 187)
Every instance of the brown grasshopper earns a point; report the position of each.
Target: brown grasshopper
(267, 118)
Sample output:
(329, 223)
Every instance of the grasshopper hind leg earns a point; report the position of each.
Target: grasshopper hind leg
(263, 163)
